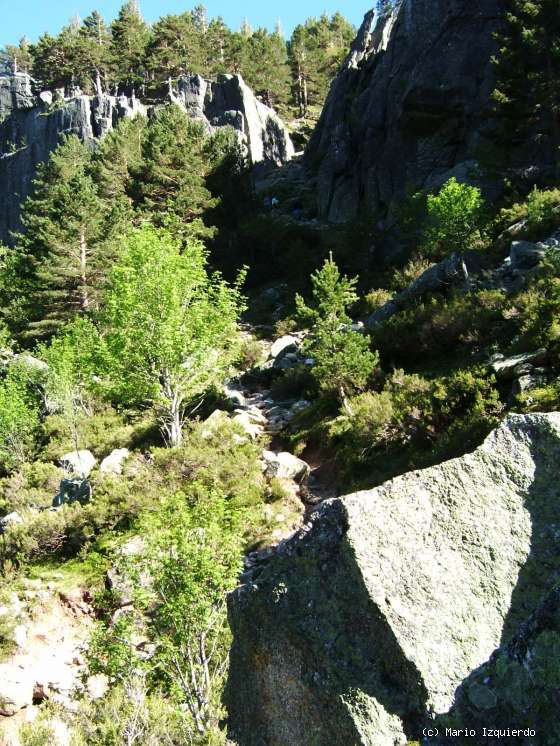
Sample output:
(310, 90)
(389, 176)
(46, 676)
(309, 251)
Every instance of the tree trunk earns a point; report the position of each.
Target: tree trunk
(98, 86)
(83, 273)
(344, 401)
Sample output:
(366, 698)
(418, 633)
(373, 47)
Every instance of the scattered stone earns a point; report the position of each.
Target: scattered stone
(283, 345)
(12, 519)
(16, 689)
(79, 463)
(97, 686)
(71, 491)
(235, 396)
(285, 466)
(251, 428)
(525, 254)
(505, 368)
(20, 635)
(113, 464)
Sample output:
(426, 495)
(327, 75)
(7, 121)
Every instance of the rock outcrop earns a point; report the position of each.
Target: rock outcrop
(31, 127)
(361, 628)
(229, 101)
(407, 110)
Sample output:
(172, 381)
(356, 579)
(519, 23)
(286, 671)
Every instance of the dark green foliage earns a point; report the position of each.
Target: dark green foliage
(134, 57)
(130, 38)
(316, 50)
(59, 262)
(527, 95)
(175, 47)
(171, 180)
(343, 360)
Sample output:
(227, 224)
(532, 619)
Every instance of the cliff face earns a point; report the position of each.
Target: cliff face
(363, 626)
(407, 109)
(32, 126)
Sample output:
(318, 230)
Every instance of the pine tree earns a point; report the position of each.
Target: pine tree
(175, 48)
(60, 259)
(95, 52)
(170, 184)
(117, 158)
(215, 46)
(266, 67)
(527, 94)
(54, 59)
(316, 50)
(130, 39)
(17, 59)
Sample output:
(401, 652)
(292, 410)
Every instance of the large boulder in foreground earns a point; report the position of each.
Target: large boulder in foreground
(361, 627)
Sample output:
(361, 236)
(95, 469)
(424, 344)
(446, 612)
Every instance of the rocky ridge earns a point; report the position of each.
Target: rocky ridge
(366, 623)
(31, 126)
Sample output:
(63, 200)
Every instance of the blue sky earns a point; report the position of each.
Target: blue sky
(33, 17)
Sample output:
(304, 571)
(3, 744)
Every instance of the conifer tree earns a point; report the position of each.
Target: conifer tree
(95, 52)
(266, 68)
(60, 260)
(316, 50)
(130, 39)
(527, 94)
(171, 181)
(17, 59)
(175, 48)
(215, 48)
(54, 59)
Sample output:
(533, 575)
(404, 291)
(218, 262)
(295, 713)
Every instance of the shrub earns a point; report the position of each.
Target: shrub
(251, 354)
(404, 277)
(32, 486)
(19, 418)
(369, 423)
(293, 383)
(101, 433)
(541, 211)
(374, 300)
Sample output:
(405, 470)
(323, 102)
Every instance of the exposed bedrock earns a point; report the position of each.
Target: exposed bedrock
(408, 108)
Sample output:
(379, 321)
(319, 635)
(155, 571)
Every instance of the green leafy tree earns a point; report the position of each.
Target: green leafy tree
(191, 560)
(527, 94)
(69, 381)
(169, 329)
(19, 419)
(343, 360)
(454, 216)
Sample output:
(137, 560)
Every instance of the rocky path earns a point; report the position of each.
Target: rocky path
(260, 414)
